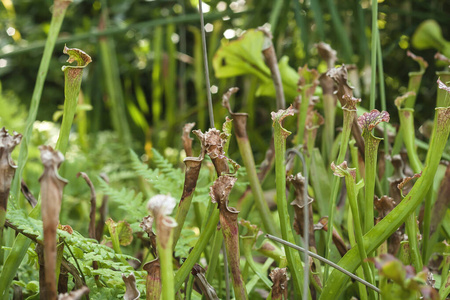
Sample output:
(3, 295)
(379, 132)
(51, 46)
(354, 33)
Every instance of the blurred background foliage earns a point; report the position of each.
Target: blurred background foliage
(147, 80)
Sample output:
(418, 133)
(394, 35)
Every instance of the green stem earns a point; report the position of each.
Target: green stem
(445, 277)
(247, 249)
(407, 124)
(371, 151)
(302, 116)
(249, 162)
(292, 256)
(215, 251)
(411, 231)
(252, 282)
(359, 272)
(192, 171)
(329, 106)
(345, 137)
(351, 194)
(193, 257)
(165, 259)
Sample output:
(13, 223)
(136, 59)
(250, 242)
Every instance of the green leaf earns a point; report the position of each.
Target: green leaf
(125, 233)
(242, 56)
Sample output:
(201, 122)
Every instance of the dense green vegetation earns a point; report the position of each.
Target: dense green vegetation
(108, 196)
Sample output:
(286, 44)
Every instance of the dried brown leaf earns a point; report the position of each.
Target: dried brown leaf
(7, 166)
(51, 194)
(280, 283)
(200, 279)
(187, 140)
(131, 293)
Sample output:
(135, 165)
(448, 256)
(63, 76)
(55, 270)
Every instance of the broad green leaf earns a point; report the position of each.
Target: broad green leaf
(242, 56)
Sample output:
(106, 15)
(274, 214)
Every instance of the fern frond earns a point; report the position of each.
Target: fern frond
(132, 204)
(165, 179)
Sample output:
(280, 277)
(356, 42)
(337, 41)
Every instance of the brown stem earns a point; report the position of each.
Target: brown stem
(51, 192)
(271, 61)
(93, 204)
(28, 194)
(103, 212)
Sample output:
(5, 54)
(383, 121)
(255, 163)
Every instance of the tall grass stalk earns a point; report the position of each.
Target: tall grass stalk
(113, 84)
(388, 165)
(349, 114)
(373, 54)
(349, 174)
(170, 72)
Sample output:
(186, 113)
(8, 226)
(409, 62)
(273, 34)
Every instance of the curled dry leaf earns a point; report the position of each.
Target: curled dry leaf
(278, 117)
(340, 76)
(369, 120)
(313, 120)
(327, 53)
(298, 181)
(191, 173)
(239, 119)
(7, 166)
(350, 102)
(220, 191)
(422, 62)
(399, 101)
(187, 140)
(337, 239)
(280, 282)
(344, 93)
(443, 86)
(81, 58)
(396, 178)
(27, 193)
(403, 184)
(384, 205)
(200, 279)
(442, 57)
(131, 293)
(74, 295)
(51, 194)
(213, 141)
(308, 80)
(343, 170)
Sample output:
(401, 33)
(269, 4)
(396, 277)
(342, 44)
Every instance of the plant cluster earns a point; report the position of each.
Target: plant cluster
(219, 230)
